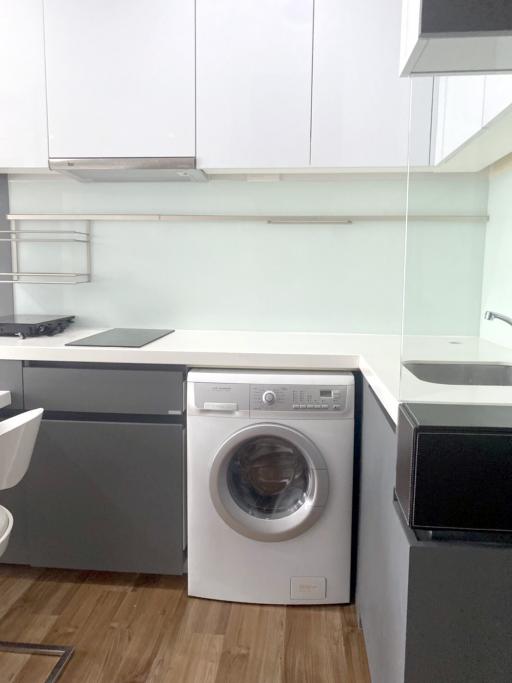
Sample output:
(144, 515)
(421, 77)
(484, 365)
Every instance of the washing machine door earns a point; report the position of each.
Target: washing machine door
(269, 482)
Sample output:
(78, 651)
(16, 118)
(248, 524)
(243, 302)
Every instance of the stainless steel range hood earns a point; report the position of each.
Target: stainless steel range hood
(456, 37)
(146, 169)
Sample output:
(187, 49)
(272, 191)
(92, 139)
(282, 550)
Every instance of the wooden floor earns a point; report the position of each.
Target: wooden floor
(144, 629)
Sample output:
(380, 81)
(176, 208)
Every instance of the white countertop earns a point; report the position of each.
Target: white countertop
(377, 356)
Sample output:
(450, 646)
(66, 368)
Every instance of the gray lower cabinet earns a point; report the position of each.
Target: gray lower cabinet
(125, 390)
(107, 496)
(11, 379)
(459, 615)
(383, 551)
(14, 499)
(430, 611)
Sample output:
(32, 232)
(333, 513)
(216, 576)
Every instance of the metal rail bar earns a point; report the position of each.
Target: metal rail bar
(50, 274)
(274, 220)
(20, 240)
(44, 232)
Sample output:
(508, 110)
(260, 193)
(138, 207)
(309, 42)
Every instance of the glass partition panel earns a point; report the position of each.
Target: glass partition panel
(458, 261)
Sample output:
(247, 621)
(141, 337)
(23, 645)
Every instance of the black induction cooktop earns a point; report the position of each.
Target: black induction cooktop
(128, 337)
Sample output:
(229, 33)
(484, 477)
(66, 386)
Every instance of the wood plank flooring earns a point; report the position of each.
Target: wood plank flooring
(144, 629)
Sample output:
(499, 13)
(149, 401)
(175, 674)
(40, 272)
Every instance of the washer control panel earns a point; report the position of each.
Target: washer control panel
(307, 398)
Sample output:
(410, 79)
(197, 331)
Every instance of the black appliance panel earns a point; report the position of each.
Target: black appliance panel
(454, 467)
(122, 337)
(463, 481)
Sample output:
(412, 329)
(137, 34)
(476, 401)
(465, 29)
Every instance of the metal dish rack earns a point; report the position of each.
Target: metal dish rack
(17, 237)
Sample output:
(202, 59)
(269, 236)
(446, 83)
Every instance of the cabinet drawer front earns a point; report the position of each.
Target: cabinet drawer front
(98, 390)
(107, 496)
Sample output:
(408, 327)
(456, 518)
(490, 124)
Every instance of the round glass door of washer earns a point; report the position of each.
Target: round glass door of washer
(269, 482)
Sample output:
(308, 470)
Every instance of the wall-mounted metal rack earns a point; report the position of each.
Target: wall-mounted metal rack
(16, 236)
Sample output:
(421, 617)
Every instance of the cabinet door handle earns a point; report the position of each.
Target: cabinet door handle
(221, 407)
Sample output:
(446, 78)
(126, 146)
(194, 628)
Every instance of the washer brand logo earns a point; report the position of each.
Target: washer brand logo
(221, 388)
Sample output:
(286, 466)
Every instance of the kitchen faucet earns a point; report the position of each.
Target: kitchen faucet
(491, 315)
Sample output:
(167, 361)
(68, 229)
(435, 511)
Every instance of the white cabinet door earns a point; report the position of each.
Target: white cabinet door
(254, 83)
(459, 112)
(360, 104)
(498, 95)
(23, 132)
(120, 78)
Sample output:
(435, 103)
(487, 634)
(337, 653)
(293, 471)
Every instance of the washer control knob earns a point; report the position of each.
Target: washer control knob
(269, 397)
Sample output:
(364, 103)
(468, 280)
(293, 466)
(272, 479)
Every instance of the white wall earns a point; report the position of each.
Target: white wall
(345, 278)
(497, 280)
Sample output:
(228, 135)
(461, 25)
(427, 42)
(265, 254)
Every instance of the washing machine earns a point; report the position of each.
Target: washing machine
(269, 484)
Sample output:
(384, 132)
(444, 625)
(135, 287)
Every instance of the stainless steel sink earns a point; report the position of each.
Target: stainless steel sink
(482, 374)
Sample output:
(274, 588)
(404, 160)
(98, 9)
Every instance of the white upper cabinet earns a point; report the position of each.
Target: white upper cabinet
(360, 110)
(473, 121)
(498, 95)
(23, 133)
(120, 78)
(460, 110)
(254, 83)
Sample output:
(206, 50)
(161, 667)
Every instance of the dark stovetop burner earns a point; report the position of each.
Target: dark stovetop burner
(33, 325)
